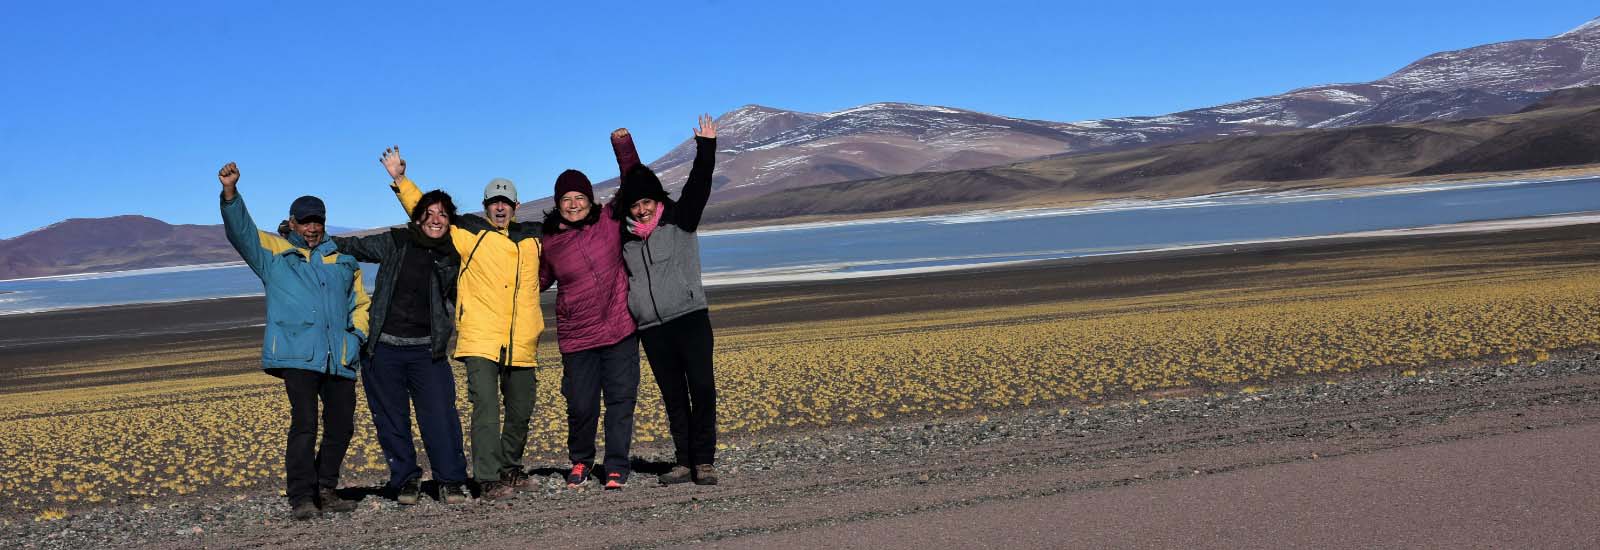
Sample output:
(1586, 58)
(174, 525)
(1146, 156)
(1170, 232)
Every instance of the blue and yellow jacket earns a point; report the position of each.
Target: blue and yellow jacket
(316, 306)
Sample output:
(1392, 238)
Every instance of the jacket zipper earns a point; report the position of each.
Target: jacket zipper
(322, 281)
(511, 338)
(649, 259)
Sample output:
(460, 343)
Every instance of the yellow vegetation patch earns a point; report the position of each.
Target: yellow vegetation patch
(72, 447)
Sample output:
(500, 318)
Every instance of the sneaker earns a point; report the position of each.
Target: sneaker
(304, 511)
(615, 480)
(454, 493)
(329, 501)
(515, 478)
(410, 491)
(678, 474)
(578, 475)
(705, 474)
(496, 490)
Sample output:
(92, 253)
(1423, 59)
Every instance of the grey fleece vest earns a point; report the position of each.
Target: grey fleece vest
(663, 275)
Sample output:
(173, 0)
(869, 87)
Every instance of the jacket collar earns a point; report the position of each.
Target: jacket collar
(326, 248)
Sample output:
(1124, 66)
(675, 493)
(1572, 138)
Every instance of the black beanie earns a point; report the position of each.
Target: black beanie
(640, 183)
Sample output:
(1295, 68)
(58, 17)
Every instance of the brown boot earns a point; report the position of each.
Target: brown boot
(304, 511)
(328, 500)
(496, 490)
(678, 474)
(516, 478)
(705, 474)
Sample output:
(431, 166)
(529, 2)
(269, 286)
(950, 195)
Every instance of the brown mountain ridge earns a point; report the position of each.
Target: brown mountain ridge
(1563, 130)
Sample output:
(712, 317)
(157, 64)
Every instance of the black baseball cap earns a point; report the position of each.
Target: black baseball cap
(308, 209)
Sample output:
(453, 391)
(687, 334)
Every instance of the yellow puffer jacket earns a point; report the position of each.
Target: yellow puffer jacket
(497, 296)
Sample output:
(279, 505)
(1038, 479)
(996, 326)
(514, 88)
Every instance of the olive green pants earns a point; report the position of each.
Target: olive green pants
(497, 446)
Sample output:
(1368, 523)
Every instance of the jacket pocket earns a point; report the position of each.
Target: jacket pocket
(292, 341)
(659, 250)
(349, 349)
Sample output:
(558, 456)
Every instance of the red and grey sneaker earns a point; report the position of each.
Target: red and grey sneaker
(615, 480)
(578, 475)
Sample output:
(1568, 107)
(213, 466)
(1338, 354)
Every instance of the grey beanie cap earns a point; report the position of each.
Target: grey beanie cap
(500, 187)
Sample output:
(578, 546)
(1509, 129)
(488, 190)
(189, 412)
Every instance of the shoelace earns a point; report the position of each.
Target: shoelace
(578, 469)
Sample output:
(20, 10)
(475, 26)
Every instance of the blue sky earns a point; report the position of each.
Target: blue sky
(113, 108)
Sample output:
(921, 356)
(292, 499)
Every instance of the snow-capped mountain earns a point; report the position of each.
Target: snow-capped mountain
(764, 149)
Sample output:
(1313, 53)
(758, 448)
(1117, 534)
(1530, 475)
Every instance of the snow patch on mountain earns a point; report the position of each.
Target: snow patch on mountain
(1592, 27)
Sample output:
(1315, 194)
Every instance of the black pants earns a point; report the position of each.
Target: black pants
(612, 372)
(680, 357)
(397, 378)
(307, 471)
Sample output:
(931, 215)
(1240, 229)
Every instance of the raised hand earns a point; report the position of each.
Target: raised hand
(229, 176)
(707, 129)
(622, 145)
(393, 163)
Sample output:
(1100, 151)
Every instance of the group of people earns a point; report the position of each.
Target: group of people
(626, 273)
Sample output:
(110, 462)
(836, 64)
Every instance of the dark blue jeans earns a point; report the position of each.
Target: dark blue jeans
(611, 373)
(398, 377)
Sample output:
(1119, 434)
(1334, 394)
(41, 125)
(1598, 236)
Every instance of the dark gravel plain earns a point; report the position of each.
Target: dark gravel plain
(812, 480)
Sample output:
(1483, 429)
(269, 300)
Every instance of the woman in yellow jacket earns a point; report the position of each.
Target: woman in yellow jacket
(497, 324)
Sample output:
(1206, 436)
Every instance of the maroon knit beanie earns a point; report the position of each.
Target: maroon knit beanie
(573, 180)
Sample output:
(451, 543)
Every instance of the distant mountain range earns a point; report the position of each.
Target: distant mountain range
(1562, 130)
(765, 150)
(775, 164)
(82, 245)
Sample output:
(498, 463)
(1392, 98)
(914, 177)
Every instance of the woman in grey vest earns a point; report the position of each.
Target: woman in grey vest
(662, 254)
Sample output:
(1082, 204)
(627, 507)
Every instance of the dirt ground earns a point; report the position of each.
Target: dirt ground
(1467, 456)
(1458, 455)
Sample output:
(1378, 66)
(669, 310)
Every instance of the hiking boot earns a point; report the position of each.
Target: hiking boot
(678, 474)
(454, 493)
(515, 478)
(496, 490)
(705, 474)
(410, 491)
(328, 500)
(578, 475)
(615, 480)
(304, 511)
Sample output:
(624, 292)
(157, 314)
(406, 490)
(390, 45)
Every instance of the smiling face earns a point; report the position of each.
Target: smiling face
(310, 230)
(574, 206)
(499, 212)
(435, 222)
(644, 210)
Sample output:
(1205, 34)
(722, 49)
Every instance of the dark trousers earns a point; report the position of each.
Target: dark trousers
(680, 357)
(397, 378)
(612, 372)
(308, 470)
(497, 446)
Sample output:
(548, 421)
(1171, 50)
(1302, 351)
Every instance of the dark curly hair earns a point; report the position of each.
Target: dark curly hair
(431, 197)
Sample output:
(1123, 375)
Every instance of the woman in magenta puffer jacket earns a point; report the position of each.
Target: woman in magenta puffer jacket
(595, 332)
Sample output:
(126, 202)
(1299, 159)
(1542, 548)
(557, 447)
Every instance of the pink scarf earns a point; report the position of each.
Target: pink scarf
(643, 229)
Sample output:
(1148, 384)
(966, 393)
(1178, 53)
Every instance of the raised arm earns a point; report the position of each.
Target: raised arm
(697, 191)
(409, 195)
(404, 189)
(237, 224)
(373, 249)
(627, 154)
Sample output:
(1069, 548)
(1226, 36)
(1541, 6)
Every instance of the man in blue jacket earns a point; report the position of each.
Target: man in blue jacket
(316, 325)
